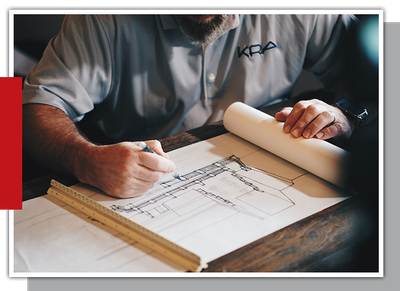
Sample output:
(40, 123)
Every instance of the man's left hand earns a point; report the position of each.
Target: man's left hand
(315, 118)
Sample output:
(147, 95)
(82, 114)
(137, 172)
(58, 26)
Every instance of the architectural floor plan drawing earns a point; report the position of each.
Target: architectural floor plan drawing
(230, 191)
(225, 183)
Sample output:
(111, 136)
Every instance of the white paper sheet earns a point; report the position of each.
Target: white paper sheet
(51, 237)
(232, 193)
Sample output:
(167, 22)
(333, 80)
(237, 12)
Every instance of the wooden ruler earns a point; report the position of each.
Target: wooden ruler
(146, 237)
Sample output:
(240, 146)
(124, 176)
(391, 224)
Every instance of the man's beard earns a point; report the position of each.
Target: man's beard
(202, 31)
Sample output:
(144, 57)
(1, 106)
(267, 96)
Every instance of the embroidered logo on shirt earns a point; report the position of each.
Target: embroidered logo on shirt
(249, 51)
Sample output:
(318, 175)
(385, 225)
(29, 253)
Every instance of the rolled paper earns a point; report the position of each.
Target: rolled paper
(318, 157)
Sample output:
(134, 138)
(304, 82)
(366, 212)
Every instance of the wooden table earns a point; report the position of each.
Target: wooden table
(341, 238)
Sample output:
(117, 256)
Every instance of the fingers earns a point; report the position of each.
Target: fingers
(124, 169)
(314, 126)
(330, 131)
(158, 162)
(313, 118)
(283, 114)
(155, 145)
(302, 114)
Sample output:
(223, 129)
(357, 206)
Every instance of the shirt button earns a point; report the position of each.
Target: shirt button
(211, 78)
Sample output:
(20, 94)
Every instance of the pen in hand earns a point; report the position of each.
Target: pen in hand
(148, 149)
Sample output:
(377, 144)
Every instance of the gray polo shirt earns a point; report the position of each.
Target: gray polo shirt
(149, 81)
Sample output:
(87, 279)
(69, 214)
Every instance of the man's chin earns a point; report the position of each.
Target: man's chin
(201, 29)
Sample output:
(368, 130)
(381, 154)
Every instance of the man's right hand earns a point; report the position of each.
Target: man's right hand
(124, 170)
(120, 170)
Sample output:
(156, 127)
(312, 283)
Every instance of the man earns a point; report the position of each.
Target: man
(154, 76)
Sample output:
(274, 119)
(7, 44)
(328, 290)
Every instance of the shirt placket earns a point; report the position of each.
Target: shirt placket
(204, 73)
(208, 75)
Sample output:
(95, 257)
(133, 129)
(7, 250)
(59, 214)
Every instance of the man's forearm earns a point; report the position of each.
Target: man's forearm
(52, 138)
(121, 170)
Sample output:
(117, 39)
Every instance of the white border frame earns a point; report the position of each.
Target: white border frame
(213, 275)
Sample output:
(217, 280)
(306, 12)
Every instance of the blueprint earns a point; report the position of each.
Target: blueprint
(231, 193)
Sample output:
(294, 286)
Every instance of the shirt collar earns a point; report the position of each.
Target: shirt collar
(233, 21)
